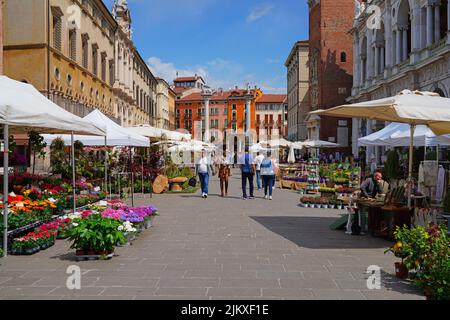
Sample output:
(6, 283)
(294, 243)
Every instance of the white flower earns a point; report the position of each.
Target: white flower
(103, 203)
(52, 200)
(120, 228)
(75, 224)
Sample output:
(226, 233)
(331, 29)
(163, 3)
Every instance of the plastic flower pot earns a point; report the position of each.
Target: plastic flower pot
(306, 205)
(325, 206)
(339, 207)
(401, 271)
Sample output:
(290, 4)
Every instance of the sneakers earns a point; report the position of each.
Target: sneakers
(266, 197)
(244, 198)
(251, 197)
(270, 198)
(204, 195)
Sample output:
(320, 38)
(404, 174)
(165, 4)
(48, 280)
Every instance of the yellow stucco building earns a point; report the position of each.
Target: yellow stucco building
(65, 48)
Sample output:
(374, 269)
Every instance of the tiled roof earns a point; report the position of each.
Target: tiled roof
(184, 79)
(273, 98)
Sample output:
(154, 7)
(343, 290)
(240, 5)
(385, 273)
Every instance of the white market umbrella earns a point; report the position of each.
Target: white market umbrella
(316, 144)
(398, 135)
(276, 143)
(116, 136)
(411, 107)
(25, 109)
(159, 134)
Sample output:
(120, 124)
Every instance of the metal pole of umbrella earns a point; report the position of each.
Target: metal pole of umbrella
(411, 153)
(5, 188)
(73, 174)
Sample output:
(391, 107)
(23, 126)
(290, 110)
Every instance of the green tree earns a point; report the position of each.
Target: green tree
(37, 145)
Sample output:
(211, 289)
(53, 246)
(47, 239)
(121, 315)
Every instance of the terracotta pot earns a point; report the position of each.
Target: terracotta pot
(401, 271)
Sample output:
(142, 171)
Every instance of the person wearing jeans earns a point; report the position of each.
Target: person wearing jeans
(248, 171)
(204, 169)
(269, 169)
(259, 158)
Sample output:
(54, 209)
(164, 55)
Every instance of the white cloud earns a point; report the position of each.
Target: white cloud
(259, 11)
(168, 71)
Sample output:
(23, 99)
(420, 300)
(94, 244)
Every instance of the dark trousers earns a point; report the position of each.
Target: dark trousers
(245, 176)
(268, 182)
(223, 183)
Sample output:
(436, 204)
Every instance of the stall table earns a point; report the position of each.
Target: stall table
(384, 219)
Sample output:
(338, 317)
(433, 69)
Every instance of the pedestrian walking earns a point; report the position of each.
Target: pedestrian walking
(204, 169)
(269, 169)
(248, 171)
(258, 159)
(224, 174)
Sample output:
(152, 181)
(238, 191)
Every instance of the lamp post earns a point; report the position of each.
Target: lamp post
(206, 94)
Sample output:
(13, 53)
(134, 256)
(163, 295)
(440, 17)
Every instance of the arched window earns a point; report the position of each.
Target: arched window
(404, 31)
(343, 57)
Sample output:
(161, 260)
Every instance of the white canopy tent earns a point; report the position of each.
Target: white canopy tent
(116, 135)
(159, 134)
(411, 107)
(25, 109)
(193, 146)
(398, 135)
(315, 144)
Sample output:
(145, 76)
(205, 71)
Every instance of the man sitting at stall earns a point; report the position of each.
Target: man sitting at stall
(373, 186)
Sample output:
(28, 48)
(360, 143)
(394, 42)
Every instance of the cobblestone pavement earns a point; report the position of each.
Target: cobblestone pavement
(219, 248)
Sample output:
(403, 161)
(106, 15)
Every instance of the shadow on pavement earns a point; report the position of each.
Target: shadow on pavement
(314, 233)
(392, 283)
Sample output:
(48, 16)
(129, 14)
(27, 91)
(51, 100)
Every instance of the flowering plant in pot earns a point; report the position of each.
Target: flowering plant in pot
(95, 235)
(26, 245)
(128, 230)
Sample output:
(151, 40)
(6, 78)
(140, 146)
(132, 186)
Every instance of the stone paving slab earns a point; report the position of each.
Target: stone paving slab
(219, 248)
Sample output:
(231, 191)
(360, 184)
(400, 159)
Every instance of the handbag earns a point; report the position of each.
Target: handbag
(192, 182)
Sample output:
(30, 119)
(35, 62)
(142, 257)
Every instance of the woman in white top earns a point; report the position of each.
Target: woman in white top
(269, 169)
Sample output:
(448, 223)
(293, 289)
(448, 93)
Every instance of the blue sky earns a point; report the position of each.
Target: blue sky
(228, 42)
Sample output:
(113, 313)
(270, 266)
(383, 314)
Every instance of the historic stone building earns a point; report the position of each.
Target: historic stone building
(162, 104)
(407, 46)
(65, 48)
(330, 67)
(135, 85)
(297, 65)
(172, 107)
(271, 116)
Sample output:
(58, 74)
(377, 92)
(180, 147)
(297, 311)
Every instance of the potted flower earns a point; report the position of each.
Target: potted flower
(339, 204)
(26, 245)
(95, 235)
(129, 232)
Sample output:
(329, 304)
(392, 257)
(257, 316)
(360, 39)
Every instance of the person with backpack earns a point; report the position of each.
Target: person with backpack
(248, 171)
(269, 169)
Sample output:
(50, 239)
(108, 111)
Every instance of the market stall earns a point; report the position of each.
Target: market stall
(24, 109)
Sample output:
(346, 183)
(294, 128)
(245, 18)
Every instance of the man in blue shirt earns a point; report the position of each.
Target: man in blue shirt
(248, 171)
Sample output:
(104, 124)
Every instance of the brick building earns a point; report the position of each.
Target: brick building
(331, 69)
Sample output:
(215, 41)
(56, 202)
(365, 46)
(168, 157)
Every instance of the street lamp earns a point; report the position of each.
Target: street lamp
(248, 96)
(206, 94)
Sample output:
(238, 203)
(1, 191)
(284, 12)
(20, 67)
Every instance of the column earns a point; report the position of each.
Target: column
(377, 60)
(206, 137)
(370, 61)
(448, 23)
(248, 112)
(389, 61)
(355, 137)
(405, 44)
(383, 59)
(423, 28)
(437, 23)
(362, 70)
(398, 47)
(415, 29)
(355, 61)
(429, 25)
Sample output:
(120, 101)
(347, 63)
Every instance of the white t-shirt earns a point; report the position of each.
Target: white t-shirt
(203, 165)
(258, 160)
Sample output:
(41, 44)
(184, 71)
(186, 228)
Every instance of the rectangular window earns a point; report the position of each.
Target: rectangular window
(95, 59)
(111, 72)
(103, 66)
(73, 44)
(57, 27)
(85, 52)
